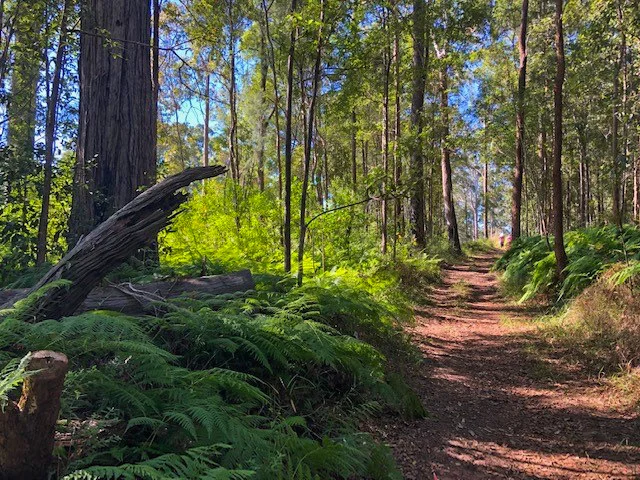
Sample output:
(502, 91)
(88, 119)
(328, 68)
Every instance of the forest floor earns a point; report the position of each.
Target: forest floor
(499, 406)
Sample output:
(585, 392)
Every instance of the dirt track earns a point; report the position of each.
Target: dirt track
(498, 410)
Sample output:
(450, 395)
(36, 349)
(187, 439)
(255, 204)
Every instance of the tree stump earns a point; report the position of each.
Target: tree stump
(27, 427)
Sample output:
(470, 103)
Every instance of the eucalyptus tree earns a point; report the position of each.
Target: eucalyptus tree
(520, 124)
(558, 226)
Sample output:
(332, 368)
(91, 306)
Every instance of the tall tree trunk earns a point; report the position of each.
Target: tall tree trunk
(155, 78)
(115, 157)
(636, 188)
(27, 60)
(276, 96)
(516, 205)
(354, 163)
(317, 71)
(558, 227)
(264, 119)
(397, 158)
(416, 166)
(207, 119)
(234, 160)
(447, 181)
(386, 62)
(615, 147)
(50, 129)
(486, 197)
(288, 147)
(584, 177)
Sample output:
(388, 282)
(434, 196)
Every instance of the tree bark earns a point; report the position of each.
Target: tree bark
(288, 147)
(116, 158)
(416, 166)
(27, 428)
(317, 74)
(50, 129)
(486, 197)
(207, 119)
(386, 65)
(397, 158)
(264, 120)
(516, 205)
(354, 162)
(276, 96)
(27, 60)
(447, 181)
(558, 227)
(112, 242)
(138, 299)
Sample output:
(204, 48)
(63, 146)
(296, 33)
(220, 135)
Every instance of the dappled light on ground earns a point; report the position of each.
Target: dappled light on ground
(499, 408)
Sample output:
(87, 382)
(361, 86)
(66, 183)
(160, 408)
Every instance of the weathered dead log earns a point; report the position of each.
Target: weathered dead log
(27, 427)
(112, 242)
(134, 299)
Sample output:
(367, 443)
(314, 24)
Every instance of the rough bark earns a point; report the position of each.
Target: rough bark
(416, 166)
(558, 227)
(116, 156)
(138, 299)
(27, 427)
(112, 242)
(516, 206)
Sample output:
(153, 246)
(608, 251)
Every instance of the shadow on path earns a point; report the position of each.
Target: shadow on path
(496, 411)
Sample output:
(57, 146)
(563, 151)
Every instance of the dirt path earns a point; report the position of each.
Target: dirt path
(496, 410)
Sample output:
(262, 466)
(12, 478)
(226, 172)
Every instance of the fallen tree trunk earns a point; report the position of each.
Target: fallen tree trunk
(27, 427)
(112, 242)
(134, 299)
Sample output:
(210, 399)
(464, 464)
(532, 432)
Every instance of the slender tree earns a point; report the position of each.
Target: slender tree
(516, 206)
(558, 227)
(50, 130)
(447, 180)
(317, 76)
(288, 147)
(416, 166)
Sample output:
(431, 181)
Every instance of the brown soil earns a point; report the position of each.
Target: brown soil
(497, 408)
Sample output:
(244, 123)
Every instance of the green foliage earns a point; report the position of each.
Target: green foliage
(529, 265)
(11, 376)
(260, 385)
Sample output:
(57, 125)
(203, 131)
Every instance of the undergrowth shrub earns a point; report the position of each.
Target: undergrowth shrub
(601, 327)
(529, 265)
(267, 385)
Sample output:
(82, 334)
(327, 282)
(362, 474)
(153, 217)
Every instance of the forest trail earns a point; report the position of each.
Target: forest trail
(497, 408)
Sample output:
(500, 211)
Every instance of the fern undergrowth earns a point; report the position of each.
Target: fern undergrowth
(270, 384)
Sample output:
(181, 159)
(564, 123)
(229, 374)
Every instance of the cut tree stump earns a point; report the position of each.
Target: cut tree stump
(111, 243)
(27, 427)
(135, 299)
